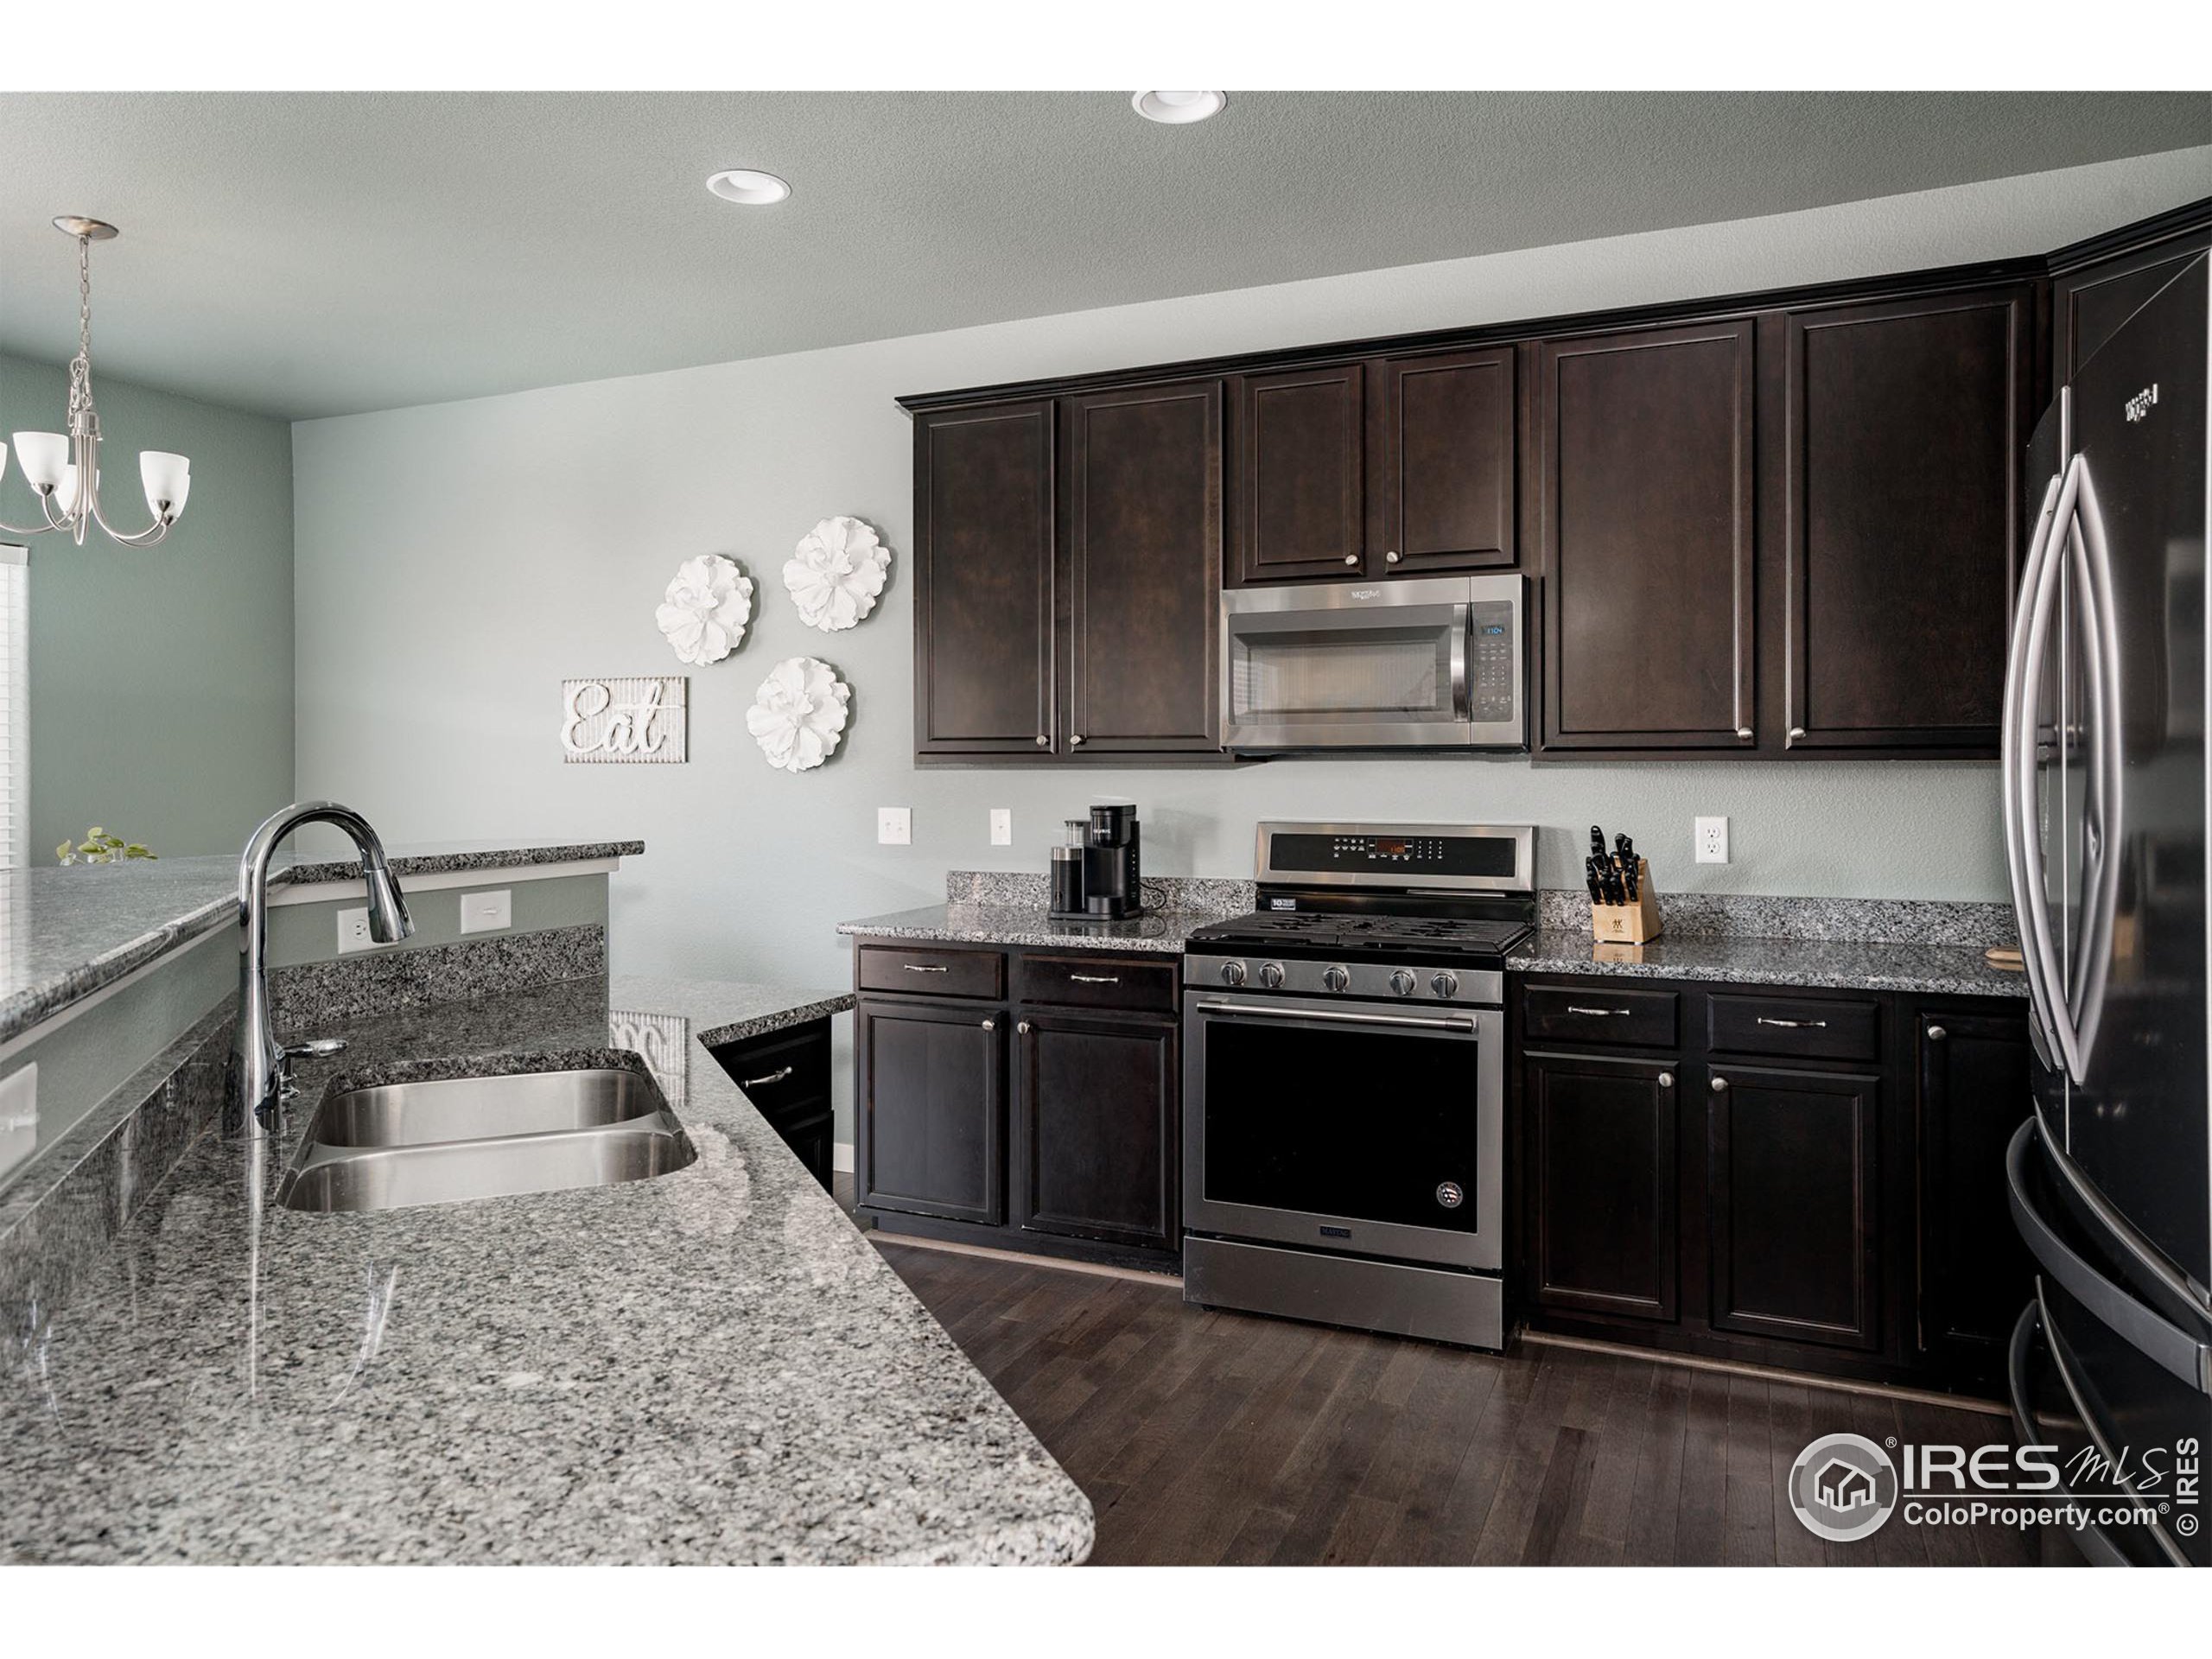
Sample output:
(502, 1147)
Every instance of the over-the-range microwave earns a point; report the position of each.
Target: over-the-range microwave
(1424, 662)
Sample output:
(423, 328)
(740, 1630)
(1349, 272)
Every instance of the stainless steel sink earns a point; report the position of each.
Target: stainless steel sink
(446, 1140)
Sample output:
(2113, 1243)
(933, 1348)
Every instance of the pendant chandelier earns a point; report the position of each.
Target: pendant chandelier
(63, 468)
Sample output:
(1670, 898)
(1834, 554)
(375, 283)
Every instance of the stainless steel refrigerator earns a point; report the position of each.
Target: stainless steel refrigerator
(2105, 779)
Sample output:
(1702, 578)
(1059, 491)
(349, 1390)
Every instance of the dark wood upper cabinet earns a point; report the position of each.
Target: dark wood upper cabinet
(1600, 1147)
(1644, 458)
(1442, 471)
(2089, 303)
(1143, 477)
(1097, 1127)
(983, 576)
(1301, 501)
(1905, 431)
(1790, 1188)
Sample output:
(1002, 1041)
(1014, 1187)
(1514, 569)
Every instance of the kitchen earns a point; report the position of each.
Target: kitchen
(1350, 1181)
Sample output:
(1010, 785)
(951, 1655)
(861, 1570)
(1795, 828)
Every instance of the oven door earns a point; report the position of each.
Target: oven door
(1375, 1129)
(1417, 664)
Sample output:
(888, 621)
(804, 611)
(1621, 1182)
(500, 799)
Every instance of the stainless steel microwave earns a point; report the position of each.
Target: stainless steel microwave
(1426, 662)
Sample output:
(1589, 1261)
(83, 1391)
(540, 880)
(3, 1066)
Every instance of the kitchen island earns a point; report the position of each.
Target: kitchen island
(709, 1366)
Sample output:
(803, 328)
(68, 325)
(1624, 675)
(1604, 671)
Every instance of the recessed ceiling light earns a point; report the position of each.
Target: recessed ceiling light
(1178, 108)
(749, 188)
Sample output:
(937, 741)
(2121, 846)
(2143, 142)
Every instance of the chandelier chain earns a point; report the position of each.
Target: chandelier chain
(80, 366)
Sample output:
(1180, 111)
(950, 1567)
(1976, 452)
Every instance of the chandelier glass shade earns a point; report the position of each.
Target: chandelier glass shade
(63, 468)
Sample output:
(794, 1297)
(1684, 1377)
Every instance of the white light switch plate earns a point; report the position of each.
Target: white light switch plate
(1001, 826)
(488, 912)
(1710, 838)
(353, 931)
(894, 826)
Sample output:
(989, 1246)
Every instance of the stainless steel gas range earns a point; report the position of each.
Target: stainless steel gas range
(1343, 1083)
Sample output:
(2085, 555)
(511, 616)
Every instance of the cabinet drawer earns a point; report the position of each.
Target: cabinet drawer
(1802, 1027)
(785, 1076)
(923, 972)
(1558, 1014)
(1090, 981)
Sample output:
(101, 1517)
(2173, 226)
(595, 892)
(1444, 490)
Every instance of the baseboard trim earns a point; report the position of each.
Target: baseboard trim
(879, 1237)
(1769, 1373)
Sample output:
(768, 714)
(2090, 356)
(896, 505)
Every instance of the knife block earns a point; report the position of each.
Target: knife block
(1629, 923)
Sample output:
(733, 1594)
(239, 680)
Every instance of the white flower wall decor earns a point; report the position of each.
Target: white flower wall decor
(798, 714)
(837, 574)
(705, 610)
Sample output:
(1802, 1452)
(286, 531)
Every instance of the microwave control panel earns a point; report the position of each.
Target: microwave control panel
(1492, 690)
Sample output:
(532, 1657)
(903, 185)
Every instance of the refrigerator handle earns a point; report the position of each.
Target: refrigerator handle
(2103, 817)
(2016, 771)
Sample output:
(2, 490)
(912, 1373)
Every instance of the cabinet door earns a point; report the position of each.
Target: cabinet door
(1792, 1198)
(1907, 427)
(983, 571)
(1644, 462)
(2088, 304)
(1301, 502)
(1975, 1275)
(1143, 482)
(1601, 1138)
(1444, 469)
(1097, 1127)
(932, 1108)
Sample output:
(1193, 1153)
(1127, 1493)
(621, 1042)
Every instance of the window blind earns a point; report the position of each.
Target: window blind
(15, 708)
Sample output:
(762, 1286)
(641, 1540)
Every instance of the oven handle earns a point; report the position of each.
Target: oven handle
(1465, 1024)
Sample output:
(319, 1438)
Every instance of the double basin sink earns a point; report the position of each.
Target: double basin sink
(446, 1140)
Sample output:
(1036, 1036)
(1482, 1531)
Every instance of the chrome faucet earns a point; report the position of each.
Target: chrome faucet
(256, 1083)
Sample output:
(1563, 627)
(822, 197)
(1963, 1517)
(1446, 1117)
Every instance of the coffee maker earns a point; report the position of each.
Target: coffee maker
(1097, 876)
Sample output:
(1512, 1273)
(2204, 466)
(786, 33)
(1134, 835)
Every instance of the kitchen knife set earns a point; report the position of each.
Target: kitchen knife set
(1614, 877)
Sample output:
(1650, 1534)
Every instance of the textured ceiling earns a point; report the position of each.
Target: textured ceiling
(313, 254)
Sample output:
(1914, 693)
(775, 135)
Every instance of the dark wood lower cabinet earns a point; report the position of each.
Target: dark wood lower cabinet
(1095, 1131)
(932, 1136)
(785, 1074)
(1795, 1239)
(1050, 1124)
(1601, 1233)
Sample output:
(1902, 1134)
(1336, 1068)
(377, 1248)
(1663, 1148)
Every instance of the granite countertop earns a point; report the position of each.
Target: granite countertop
(1930, 969)
(1164, 931)
(711, 1366)
(78, 930)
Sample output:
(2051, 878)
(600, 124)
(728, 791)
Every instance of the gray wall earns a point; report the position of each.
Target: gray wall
(455, 562)
(161, 679)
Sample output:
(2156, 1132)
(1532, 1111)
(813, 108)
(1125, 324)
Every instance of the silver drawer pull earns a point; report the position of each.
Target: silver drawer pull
(1792, 1024)
(1602, 1013)
(923, 967)
(774, 1076)
(1096, 979)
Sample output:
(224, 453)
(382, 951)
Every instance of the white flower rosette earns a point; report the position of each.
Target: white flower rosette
(704, 611)
(837, 574)
(798, 714)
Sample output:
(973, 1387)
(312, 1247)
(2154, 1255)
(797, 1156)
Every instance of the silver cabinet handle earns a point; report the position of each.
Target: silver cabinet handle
(924, 967)
(1744, 731)
(1600, 1012)
(1076, 740)
(1792, 1024)
(1352, 559)
(1391, 557)
(1666, 1080)
(990, 1025)
(1937, 1033)
(1022, 1026)
(1096, 979)
(1044, 742)
(1721, 1085)
(776, 1076)
(1796, 731)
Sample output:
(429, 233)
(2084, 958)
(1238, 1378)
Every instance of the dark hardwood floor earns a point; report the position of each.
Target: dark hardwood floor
(1205, 1437)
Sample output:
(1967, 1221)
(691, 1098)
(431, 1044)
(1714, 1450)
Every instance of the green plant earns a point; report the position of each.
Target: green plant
(101, 848)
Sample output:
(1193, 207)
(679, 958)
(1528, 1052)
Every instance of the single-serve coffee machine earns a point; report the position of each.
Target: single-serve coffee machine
(1097, 874)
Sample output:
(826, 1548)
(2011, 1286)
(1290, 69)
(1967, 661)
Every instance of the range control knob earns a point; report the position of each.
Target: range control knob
(1445, 984)
(1402, 982)
(1271, 974)
(1232, 973)
(1334, 979)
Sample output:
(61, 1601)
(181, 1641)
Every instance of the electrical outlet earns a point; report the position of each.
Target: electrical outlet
(488, 912)
(1001, 826)
(353, 931)
(1710, 838)
(894, 826)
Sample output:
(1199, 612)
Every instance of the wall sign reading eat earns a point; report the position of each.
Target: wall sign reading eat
(634, 718)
